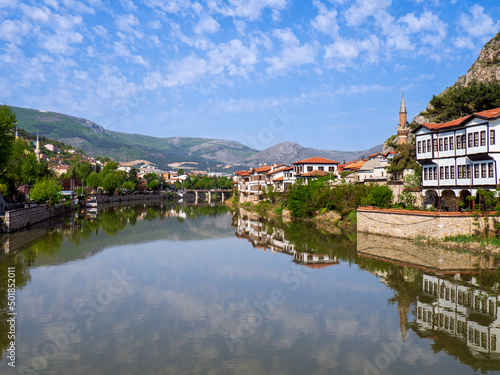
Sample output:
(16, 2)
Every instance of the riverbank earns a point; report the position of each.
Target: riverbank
(24, 218)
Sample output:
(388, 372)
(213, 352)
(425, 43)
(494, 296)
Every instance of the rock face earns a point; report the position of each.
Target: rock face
(486, 69)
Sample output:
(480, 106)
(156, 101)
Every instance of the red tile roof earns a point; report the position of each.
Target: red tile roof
(260, 170)
(316, 160)
(242, 173)
(278, 178)
(279, 170)
(489, 114)
(315, 174)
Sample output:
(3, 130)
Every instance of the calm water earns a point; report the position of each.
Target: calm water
(202, 290)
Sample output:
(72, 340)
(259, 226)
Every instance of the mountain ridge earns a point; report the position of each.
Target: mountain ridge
(208, 153)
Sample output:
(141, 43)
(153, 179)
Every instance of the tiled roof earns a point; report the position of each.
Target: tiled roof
(260, 170)
(315, 174)
(355, 165)
(316, 160)
(489, 114)
(278, 178)
(286, 168)
(242, 173)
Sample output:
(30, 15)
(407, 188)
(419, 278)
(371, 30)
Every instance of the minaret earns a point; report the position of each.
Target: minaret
(403, 130)
(37, 148)
(17, 133)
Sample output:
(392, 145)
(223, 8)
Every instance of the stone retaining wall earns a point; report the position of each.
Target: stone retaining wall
(410, 224)
(128, 198)
(24, 217)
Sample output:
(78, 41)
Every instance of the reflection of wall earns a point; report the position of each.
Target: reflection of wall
(429, 258)
(260, 235)
(462, 311)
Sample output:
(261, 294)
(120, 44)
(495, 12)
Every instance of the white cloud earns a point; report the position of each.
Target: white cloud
(362, 89)
(326, 21)
(292, 55)
(186, 71)
(428, 22)
(250, 9)
(234, 57)
(358, 13)
(101, 31)
(169, 6)
(478, 24)
(464, 42)
(13, 31)
(127, 22)
(156, 25)
(121, 50)
(341, 53)
(207, 24)
(128, 5)
(8, 3)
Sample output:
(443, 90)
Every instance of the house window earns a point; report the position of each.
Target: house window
(435, 144)
(419, 145)
(463, 140)
(483, 170)
(309, 169)
(447, 173)
(440, 144)
(476, 170)
(469, 140)
(441, 173)
(483, 138)
(428, 145)
(490, 170)
(468, 170)
(424, 150)
(435, 173)
(321, 168)
(459, 142)
(452, 172)
(476, 139)
(492, 136)
(425, 174)
(446, 144)
(451, 143)
(331, 169)
(459, 171)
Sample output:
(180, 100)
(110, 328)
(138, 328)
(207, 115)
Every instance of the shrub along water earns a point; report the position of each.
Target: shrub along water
(304, 200)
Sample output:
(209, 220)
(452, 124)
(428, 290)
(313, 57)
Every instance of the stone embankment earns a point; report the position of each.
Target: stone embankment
(25, 217)
(413, 224)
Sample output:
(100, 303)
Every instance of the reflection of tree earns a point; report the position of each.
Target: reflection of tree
(23, 277)
(47, 247)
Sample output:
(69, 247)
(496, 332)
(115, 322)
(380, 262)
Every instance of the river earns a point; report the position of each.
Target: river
(158, 289)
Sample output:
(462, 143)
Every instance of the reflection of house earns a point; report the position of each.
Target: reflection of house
(275, 240)
(460, 311)
(458, 157)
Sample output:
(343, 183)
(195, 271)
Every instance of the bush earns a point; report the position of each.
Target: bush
(46, 190)
(380, 196)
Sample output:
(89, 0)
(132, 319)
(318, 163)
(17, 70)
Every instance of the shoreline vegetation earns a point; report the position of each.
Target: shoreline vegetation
(334, 209)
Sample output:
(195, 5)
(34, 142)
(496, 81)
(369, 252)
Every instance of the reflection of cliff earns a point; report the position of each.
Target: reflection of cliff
(260, 234)
(462, 319)
(428, 258)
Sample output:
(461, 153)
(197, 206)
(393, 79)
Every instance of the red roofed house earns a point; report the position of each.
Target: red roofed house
(276, 177)
(315, 167)
(458, 157)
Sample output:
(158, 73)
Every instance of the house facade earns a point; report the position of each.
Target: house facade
(314, 167)
(458, 157)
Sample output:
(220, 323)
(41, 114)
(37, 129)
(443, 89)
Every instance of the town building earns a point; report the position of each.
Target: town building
(458, 157)
(314, 167)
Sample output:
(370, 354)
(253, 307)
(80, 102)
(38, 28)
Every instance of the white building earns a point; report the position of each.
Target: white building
(314, 167)
(459, 156)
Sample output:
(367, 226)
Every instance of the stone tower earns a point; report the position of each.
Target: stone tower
(403, 130)
(37, 148)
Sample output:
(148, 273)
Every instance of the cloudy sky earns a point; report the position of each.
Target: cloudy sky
(324, 73)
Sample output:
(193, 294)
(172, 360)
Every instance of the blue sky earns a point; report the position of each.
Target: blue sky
(327, 74)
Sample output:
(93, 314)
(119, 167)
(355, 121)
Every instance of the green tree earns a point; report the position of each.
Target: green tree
(180, 172)
(94, 180)
(129, 186)
(30, 169)
(7, 126)
(110, 166)
(46, 190)
(110, 182)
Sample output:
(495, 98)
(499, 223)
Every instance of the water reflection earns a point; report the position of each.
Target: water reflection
(210, 291)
